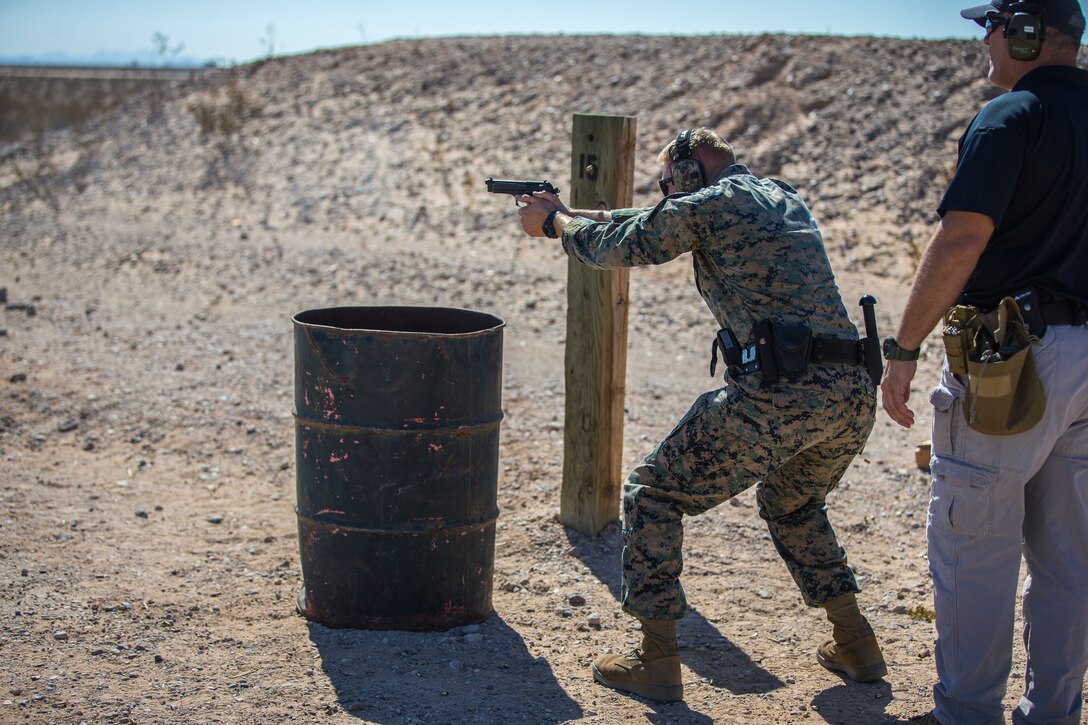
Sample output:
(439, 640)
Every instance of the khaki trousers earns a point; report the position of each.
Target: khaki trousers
(993, 500)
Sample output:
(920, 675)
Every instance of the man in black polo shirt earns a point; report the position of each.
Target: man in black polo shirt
(1014, 219)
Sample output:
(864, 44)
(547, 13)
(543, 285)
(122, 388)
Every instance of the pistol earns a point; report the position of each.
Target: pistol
(518, 187)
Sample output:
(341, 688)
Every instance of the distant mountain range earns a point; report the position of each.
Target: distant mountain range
(142, 59)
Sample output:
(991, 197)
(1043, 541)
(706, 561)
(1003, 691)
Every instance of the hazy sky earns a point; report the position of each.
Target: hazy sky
(242, 30)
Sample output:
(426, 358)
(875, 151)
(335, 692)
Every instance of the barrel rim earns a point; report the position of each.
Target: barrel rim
(495, 322)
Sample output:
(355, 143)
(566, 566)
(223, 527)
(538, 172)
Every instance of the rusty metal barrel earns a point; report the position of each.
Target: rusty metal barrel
(397, 413)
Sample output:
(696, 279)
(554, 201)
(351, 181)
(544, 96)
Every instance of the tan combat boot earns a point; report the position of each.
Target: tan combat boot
(853, 649)
(653, 670)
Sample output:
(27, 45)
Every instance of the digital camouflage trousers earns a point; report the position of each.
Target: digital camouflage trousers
(796, 442)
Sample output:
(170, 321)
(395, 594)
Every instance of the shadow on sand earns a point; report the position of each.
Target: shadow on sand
(721, 662)
(705, 651)
(480, 673)
(854, 702)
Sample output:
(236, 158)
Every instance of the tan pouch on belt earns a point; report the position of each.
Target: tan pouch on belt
(1004, 394)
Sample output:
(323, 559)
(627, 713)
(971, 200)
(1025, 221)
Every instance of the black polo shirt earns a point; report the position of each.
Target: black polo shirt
(1023, 162)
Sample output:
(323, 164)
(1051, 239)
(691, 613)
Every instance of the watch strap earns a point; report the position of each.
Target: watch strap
(548, 226)
(893, 351)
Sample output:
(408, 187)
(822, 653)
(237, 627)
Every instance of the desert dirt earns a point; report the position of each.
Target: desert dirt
(152, 260)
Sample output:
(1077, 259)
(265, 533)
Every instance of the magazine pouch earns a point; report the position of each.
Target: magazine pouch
(792, 349)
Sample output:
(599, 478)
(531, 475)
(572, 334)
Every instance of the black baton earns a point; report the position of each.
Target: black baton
(870, 346)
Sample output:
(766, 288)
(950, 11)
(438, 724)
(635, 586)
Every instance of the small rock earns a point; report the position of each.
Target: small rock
(455, 665)
(576, 600)
(60, 635)
(158, 659)
(474, 637)
(215, 519)
(470, 629)
(564, 612)
(68, 424)
(17, 378)
(140, 513)
(763, 594)
(594, 620)
(355, 706)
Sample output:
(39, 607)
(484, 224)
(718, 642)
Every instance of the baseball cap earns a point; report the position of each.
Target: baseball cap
(1065, 15)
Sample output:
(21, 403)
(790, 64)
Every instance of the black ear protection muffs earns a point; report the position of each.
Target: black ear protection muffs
(1025, 31)
(687, 172)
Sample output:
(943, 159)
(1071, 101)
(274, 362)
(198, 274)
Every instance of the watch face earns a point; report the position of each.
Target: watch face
(889, 347)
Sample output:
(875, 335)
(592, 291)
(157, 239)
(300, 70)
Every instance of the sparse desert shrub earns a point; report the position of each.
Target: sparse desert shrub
(224, 112)
(921, 613)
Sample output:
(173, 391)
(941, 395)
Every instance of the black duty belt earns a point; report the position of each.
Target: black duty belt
(824, 351)
(1063, 313)
(746, 359)
(1040, 315)
(786, 350)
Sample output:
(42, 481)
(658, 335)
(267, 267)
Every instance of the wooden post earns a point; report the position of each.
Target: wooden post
(602, 177)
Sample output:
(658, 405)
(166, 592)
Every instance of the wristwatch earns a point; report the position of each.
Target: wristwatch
(892, 351)
(548, 226)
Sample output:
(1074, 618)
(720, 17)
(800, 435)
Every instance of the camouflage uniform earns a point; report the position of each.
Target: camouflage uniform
(757, 254)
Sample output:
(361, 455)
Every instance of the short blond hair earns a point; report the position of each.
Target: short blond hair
(702, 138)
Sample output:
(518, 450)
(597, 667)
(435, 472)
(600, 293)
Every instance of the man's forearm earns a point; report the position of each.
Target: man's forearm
(946, 265)
(594, 215)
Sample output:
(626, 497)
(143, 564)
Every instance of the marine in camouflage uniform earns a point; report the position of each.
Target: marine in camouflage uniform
(757, 254)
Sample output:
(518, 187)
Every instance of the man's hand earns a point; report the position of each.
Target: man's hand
(536, 209)
(895, 390)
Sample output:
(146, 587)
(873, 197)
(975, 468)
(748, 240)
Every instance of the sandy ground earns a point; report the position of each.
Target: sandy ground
(149, 556)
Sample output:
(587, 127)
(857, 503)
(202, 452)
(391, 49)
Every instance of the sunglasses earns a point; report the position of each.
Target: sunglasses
(664, 184)
(993, 22)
